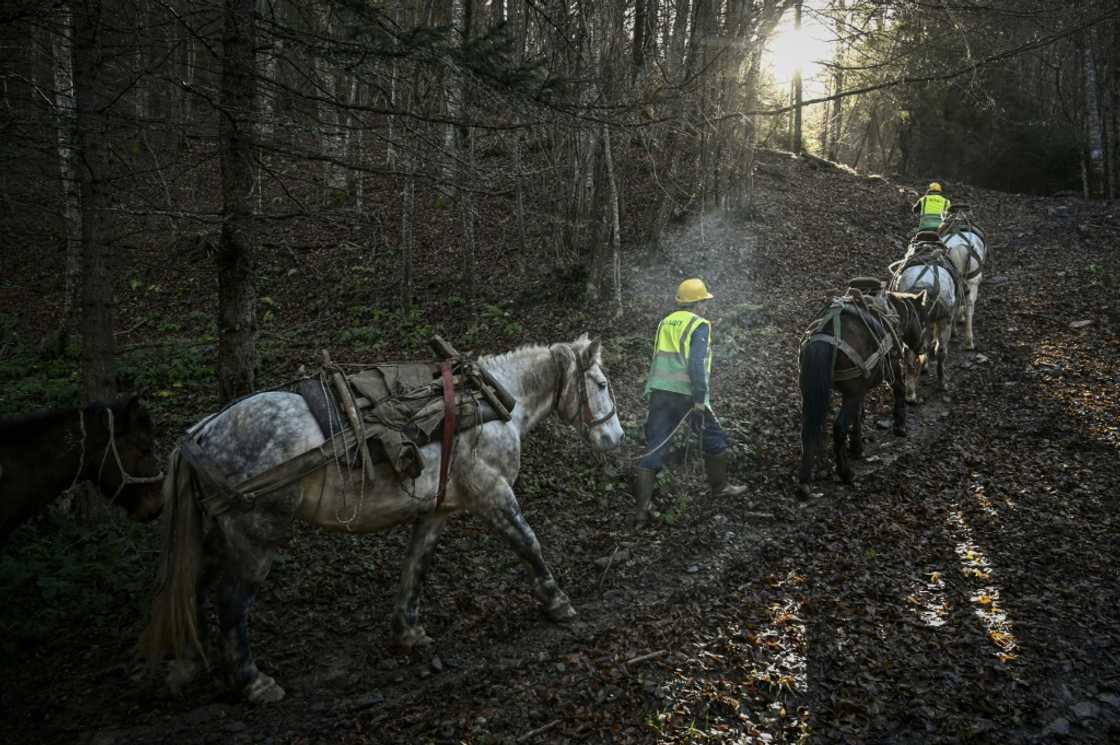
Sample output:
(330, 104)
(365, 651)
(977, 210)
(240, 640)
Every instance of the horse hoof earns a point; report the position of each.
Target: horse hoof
(264, 690)
(181, 674)
(412, 637)
(901, 431)
(560, 610)
(848, 478)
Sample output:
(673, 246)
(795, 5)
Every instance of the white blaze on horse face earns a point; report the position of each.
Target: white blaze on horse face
(911, 373)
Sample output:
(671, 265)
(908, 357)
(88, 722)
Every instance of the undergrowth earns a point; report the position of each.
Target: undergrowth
(71, 575)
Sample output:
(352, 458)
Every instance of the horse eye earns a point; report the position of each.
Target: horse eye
(602, 384)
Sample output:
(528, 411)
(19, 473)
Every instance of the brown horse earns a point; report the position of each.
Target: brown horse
(42, 454)
(854, 345)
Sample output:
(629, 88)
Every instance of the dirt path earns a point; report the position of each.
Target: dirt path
(964, 590)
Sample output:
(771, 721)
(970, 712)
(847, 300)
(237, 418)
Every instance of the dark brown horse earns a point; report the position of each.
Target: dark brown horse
(855, 344)
(110, 444)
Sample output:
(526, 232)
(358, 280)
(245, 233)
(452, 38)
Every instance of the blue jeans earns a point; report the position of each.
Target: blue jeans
(665, 411)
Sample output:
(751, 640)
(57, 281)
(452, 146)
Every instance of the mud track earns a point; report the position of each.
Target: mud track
(964, 590)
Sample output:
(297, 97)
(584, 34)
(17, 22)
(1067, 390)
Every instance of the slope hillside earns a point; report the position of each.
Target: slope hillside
(965, 589)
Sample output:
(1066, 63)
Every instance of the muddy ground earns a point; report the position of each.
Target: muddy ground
(965, 589)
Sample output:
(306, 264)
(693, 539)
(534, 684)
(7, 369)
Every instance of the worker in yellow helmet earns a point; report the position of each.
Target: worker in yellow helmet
(932, 208)
(679, 387)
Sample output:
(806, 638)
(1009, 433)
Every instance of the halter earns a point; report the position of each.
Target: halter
(126, 477)
(908, 317)
(583, 416)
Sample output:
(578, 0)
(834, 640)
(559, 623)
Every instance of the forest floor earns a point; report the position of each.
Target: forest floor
(965, 589)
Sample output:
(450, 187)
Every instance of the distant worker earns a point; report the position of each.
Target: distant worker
(931, 209)
(679, 387)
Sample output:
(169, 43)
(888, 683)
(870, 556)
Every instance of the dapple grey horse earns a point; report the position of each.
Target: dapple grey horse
(930, 271)
(968, 250)
(233, 551)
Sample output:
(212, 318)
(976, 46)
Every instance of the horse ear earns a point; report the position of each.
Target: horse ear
(136, 416)
(591, 354)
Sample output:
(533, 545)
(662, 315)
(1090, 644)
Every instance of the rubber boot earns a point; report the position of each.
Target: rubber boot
(716, 466)
(643, 491)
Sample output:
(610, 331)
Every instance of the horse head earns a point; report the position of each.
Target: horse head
(913, 327)
(585, 397)
(127, 471)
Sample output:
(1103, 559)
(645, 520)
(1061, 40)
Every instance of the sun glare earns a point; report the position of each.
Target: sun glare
(789, 49)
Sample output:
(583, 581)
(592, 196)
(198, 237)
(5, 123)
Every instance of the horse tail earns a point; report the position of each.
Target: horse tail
(174, 623)
(816, 392)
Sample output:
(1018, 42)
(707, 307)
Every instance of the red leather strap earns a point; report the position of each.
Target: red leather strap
(450, 424)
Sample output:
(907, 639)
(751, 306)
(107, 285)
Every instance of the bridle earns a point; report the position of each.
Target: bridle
(583, 416)
(910, 319)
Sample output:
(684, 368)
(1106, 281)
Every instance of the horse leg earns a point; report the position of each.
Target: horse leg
(504, 515)
(249, 541)
(911, 374)
(425, 533)
(898, 386)
(840, 428)
(235, 597)
(855, 438)
(815, 380)
(183, 671)
(969, 309)
(945, 332)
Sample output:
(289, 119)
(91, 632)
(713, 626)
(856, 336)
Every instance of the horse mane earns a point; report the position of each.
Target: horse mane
(16, 430)
(540, 378)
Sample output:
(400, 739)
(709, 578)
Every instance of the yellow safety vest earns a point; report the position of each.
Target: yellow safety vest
(668, 371)
(934, 204)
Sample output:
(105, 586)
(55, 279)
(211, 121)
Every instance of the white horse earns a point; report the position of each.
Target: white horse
(968, 252)
(926, 267)
(234, 548)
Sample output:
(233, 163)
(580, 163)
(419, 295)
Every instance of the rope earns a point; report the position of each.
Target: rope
(661, 444)
(82, 456)
(126, 477)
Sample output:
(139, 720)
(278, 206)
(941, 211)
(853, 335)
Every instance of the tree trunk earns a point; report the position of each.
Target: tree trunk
(616, 223)
(237, 294)
(267, 64)
(334, 146)
(640, 34)
(186, 76)
(1113, 118)
(453, 94)
(1094, 135)
(836, 120)
(408, 241)
(67, 127)
(141, 87)
(96, 326)
(356, 146)
(797, 98)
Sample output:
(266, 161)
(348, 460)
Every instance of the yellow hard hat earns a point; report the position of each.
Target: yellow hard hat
(692, 291)
(935, 187)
